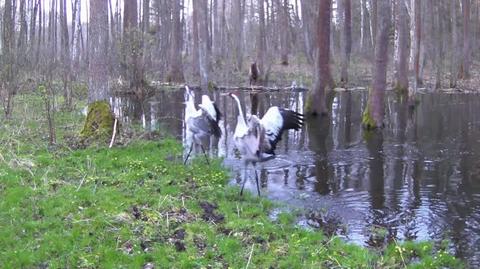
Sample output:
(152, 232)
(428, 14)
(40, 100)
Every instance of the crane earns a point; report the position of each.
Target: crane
(201, 123)
(256, 139)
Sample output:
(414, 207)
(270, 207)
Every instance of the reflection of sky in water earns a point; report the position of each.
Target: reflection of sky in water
(421, 173)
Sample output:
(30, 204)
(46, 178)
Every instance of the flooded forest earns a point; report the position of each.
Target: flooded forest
(239, 133)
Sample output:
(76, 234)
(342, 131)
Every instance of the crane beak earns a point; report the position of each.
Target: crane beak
(224, 94)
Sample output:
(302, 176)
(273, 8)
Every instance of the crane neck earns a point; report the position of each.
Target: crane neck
(240, 117)
(190, 109)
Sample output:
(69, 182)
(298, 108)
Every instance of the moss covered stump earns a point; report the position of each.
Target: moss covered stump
(98, 126)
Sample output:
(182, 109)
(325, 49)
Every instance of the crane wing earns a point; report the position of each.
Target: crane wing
(209, 106)
(213, 115)
(277, 120)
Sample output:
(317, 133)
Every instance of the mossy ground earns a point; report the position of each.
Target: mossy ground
(135, 205)
(99, 122)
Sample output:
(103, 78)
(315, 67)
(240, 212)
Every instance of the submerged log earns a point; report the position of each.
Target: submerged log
(167, 86)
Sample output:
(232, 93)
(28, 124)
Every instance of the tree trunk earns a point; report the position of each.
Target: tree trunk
(204, 55)
(223, 29)
(98, 47)
(217, 36)
(316, 102)
(346, 40)
(132, 47)
(195, 37)
(8, 89)
(284, 32)
(465, 67)
(261, 39)
(403, 40)
(22, 36)
(453, 46)
(307, 27)
(33, 23)
(417, 42)
(176, 67)
(374, 23)
(365, 39)
(65, 54)
(146, 34)
(440, 25)
(40, 31)
(238, 15)
(374, 113)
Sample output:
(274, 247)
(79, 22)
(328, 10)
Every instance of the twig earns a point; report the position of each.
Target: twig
(250, 256)
(399, 248)
(238, 211)
(168, 223)
(81, 182)
(113, 134)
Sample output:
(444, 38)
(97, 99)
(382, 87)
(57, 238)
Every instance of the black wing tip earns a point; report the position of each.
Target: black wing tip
(216, 131)
(292, 119)
(219, 114)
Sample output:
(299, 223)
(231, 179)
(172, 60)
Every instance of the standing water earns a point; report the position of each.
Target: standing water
(420, 175)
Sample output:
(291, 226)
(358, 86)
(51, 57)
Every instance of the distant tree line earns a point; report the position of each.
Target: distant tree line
(49, 42)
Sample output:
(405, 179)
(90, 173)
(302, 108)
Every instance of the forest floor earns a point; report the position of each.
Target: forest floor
(138, 206)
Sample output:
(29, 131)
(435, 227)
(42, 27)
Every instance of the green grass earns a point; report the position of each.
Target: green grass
(129, 206)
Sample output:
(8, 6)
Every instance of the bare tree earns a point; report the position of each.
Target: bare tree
(365, 33)
(346, 40)
(284, 31)
(453, 45)
(316, 102)
(238, 10)
(204, 53)
(403, 40)
(65, 54)
(308, 26)
(261, 38)
(374, 20)
(132, 50)
(195, 37)
(9, 76)
(374, 113)
(146, 33)
(465, 66)
(22, 35)
(98, 47)
(175, 73)
(417, 37)
(216, 31)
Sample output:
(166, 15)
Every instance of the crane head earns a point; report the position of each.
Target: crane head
(189, 94)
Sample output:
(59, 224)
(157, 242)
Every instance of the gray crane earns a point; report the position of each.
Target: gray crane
(201, 123)
(256, 139)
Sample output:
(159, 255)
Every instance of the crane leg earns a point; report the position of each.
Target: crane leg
(256, 179)
(205, 154)
(188, 155)
(244, 179)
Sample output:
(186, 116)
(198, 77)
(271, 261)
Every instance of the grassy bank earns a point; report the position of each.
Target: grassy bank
(138, 206)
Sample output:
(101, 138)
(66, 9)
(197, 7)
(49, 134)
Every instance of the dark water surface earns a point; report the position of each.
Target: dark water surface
(419, 176)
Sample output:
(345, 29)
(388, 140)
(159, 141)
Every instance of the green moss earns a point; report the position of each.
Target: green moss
(309, 104)
(99, 123)
(403, 91)
(367, 120)
(211, 86)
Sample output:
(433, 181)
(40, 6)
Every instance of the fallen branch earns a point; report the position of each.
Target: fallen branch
(250, 256)
(114, 133)
(81, 182)
(126, 91)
